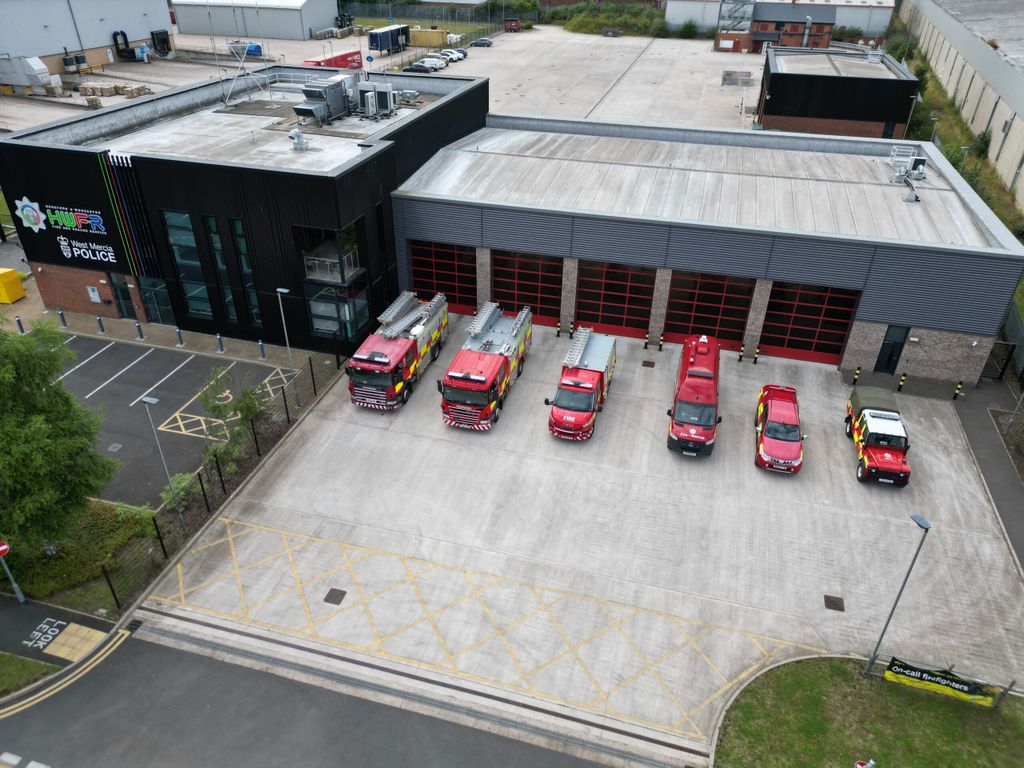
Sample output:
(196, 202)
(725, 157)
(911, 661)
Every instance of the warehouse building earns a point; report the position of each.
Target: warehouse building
(197, 207)
(287, 19)
(870, 17)
(976, 50)
(851, 252)
(836, 92)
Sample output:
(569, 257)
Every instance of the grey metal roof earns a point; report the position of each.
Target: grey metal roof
(730, 183)
(779, 12)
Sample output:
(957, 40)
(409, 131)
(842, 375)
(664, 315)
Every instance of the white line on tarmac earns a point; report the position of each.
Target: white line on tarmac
(101, 386)
(165, 378)
(90, 357)
(72, 338)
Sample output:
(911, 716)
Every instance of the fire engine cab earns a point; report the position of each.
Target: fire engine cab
(694, 414)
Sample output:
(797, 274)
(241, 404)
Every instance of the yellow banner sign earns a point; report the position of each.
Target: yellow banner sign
(938, 681)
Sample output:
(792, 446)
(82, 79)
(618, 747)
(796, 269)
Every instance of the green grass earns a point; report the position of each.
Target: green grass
(5, 213)
(1018, 298)
(17, 672)
(824, 712)
(458, 27)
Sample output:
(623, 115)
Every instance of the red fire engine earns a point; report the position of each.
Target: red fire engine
(386, 367)
(474, 389)
(694, 413)
(586, 373)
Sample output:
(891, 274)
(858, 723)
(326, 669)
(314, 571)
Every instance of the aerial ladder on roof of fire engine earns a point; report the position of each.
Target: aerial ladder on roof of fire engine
(392, 329)
(579, 343)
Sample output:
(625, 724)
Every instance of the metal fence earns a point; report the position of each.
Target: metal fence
(439, 15)
(1013, 333)
(240, 448)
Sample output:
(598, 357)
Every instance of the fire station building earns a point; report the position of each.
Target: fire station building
(196, 207)
(851, 252)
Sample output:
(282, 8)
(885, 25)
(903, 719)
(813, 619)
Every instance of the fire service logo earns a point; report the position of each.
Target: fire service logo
(30, 214)
(35, 217)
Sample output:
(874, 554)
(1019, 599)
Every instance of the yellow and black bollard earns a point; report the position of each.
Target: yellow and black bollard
(856, 376)
(903, 379)
(570, 330)
(757, 351)
(661, 342)
(740, 360)
(647, 339)
(958, 390)
(558, 328)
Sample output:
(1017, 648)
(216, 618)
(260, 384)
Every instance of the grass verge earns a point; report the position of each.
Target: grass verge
(824, 712)
(17, 672)
(456, 27)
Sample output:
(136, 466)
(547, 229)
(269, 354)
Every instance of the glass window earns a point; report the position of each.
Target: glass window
(248, 276)
(329, 255)
(186, 259)
(217, 247)
(333, 313)
(156, 300)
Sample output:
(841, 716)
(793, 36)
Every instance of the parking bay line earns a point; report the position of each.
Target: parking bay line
(165, 378)
(101, 386)
(85, 361)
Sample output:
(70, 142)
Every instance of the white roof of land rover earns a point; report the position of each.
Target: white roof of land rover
(885, 423)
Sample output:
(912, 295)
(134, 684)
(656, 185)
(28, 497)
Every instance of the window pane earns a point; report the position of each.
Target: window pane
(248, 277)
(186, 259)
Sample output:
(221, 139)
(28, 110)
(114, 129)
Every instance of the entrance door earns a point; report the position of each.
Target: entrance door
(614, 298)
(156, 301)
(892, 348)
(807, 322)
(449, 269)
(123, 296)
(888, 131)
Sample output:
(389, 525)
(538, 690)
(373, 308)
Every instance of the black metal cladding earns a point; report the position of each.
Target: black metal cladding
(127, 186)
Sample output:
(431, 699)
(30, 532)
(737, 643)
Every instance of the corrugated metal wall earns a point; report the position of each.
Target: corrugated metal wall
(951, 290)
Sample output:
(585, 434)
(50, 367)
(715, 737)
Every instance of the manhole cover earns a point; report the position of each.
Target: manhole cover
(114, 447)
(335, 596)
(834, 603)
(647, 363)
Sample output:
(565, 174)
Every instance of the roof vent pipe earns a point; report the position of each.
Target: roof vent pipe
(807, 30)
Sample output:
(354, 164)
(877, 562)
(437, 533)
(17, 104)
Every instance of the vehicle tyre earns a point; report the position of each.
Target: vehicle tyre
(405, 393)
(849, 428)
(519, 370)
(862, 472)
(901, 483)
(435, 350)
(497, 413)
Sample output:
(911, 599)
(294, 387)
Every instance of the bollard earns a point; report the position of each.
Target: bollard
(181, 340)
(21, 325)
(63, 320)
(958, 390)
(856, 376)
(220, 344)
(903, 378)
(740, 360)
(757, 351)
(661, 342)
(99, 322)
(647, 338)
(263, 352)
(558, 328)
(138, 330)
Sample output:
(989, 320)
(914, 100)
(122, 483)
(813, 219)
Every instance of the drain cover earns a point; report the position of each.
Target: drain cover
(114, 447)
(335, 596)
(834, 603)
(647, 363)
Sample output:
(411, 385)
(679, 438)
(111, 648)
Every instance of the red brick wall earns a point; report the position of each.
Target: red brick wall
(859, 128)
(742, 40)
(65, 288)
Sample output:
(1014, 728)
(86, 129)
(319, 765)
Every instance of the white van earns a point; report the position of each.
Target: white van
(433, 63)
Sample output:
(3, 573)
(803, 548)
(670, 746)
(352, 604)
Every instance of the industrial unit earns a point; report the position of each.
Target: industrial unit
(852, 252)
(220, 206)
(835, 92)
(288, 19)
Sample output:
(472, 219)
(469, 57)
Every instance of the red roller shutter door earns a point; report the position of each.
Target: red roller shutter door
(613, 298)
(523, 279)
(717, 305)
(808, 322)
(449, 269)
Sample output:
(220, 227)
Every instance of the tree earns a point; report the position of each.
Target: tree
(49, 465)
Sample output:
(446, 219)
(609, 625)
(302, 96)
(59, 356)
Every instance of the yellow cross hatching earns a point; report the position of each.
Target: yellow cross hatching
(649, 667)
(183, 422)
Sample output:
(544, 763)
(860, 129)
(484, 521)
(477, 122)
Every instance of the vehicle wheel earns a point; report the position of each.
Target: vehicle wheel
(849, 429)
(862, 473)
(435, 350)
(405, 393)
(900, 484)
(522, 364)
(497, 413)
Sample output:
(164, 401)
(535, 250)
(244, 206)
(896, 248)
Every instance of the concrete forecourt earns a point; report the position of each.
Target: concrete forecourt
(611, 589)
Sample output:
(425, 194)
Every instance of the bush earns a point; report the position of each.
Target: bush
(922, 73)
(847, 34)
(658, 28)
(689, 29)
(186, 488)
(981, 143)
(901, 46)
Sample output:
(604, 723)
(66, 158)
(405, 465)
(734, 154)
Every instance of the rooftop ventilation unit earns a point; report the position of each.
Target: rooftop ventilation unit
(326, 99)
(377, 99)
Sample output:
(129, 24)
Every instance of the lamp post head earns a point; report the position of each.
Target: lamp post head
(283, 291)
(921, 522)
(151, 400)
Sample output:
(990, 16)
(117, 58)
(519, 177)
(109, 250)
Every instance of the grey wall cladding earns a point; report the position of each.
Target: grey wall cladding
(695, 249)
(840, 265)
(443, 222)
(634, 243)
(401, 244)
(951, 291)
(527, 231)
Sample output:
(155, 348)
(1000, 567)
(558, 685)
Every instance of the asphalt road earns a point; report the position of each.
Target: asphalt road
(148, 705)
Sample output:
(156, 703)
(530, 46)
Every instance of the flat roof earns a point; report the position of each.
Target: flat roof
(836, 63)
(861, 3)
(286, 4)
(776, 12)
(735, 179)
(999, 20)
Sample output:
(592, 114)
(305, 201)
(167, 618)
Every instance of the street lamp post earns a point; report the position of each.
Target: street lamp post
(925, 526)
(148, 401)
(280, 305)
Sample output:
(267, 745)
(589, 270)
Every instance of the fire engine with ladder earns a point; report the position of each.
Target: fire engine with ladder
(474, 389)
(586, 373)
(384, 370)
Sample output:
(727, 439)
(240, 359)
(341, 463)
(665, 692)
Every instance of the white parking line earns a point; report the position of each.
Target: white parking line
(90, 357)
(72, 338)
(165, 378)
(101, 386)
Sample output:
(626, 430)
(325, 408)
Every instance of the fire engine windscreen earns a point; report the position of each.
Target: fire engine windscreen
(698, 414)
(360, 378)
(467, 396)
(788, 433)
(573, 400)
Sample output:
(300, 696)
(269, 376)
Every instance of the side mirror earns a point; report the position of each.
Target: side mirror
(718, 420)
(600, 408)
(669, 413)
(758, 430)
(546, 401)
(439, 387)
(906, 450)
(803, 437)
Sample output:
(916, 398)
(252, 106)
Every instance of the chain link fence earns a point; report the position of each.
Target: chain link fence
(230, 460)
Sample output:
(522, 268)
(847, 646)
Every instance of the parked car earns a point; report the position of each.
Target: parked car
(418, 68)
(874, 424)
(463, 51)
(435, 62)
(454, 53)
(778, 441)
(483, 42)
(450, 56)
(694, 412)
